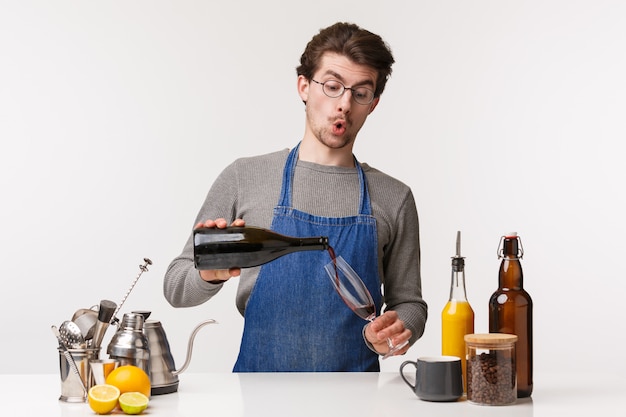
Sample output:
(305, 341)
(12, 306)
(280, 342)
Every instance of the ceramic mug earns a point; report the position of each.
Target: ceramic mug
(437, 378)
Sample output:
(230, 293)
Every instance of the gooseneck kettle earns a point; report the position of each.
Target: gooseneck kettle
(163, 372)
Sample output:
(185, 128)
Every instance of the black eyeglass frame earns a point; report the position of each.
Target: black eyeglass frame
(353, 91)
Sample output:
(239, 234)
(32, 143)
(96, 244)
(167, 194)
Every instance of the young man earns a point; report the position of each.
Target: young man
(294, 321)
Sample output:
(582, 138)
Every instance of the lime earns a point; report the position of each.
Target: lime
(133, 402)
(103, 398)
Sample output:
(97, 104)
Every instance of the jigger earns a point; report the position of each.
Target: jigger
(100, 369)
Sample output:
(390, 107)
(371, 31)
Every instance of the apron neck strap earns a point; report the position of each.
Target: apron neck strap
(365, 206)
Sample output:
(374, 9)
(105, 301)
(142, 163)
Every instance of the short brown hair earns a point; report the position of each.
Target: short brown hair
(357, 44)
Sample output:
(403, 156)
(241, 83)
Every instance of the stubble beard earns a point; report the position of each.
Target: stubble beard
(328, 139)
(333, 141)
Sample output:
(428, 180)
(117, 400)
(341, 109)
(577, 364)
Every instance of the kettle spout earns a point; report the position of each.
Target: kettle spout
(190, 345)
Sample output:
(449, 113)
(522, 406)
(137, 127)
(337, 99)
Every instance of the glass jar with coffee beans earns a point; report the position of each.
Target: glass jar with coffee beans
(490, 374)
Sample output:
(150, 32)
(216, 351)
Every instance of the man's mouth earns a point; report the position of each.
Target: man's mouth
(339, 127)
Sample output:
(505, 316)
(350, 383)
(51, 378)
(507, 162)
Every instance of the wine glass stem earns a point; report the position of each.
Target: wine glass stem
(390, 345)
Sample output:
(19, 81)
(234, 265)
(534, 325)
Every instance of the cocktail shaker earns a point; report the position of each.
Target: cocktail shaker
(129, 345)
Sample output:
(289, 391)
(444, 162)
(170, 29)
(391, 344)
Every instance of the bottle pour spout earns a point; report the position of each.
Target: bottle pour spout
(458, 262)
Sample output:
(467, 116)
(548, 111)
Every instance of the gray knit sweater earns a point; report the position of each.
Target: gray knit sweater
(249, 188)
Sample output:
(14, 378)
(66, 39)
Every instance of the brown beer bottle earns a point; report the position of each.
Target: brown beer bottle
(511, 310)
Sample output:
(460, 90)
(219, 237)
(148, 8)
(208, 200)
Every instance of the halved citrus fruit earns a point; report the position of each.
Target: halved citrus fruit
(130, 378)
(103, 398)
(133, 402)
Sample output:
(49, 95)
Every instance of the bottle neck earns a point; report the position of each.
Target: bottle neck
(511, 275)
(457, 284)
(314, 243)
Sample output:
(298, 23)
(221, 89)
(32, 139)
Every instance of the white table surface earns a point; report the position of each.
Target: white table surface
(321, 395)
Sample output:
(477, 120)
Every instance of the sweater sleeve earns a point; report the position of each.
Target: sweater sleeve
(402, 275)
(182, 285)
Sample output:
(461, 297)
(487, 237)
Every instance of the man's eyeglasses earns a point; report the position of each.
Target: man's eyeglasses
(334, 89)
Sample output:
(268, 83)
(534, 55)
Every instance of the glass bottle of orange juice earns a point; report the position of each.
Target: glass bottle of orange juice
(457, 317)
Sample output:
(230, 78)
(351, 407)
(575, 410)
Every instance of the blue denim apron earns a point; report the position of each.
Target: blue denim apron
(294, 319)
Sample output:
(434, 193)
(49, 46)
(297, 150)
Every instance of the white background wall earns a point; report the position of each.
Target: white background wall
(115, 118)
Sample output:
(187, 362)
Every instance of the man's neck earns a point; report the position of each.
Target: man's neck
(312, 150)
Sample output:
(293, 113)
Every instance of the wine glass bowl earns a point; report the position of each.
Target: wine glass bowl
(355, 294)
(351, 288)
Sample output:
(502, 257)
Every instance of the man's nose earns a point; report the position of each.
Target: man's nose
(345, 101)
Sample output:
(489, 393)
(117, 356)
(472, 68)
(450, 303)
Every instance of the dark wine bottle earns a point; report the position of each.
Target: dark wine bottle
(511, 310)
(246, 246)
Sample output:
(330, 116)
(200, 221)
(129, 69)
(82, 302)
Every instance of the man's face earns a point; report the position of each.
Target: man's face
(335, 122)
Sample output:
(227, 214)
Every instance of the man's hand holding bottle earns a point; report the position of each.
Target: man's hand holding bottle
(218, 276)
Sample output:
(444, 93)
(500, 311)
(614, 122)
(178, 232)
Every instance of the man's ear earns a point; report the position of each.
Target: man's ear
(373, 105)
(303, 88)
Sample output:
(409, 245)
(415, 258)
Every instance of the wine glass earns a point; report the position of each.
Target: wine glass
(355, 294)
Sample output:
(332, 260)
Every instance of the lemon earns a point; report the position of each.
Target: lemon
(133, 402)
(130, 378)
(103, 398)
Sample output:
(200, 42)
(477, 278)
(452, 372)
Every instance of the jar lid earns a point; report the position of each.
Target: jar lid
(491, 338)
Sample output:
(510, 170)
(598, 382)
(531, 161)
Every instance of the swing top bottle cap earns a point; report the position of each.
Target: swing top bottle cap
(511, 234)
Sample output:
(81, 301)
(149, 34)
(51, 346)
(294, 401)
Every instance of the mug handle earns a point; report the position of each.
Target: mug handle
(402, 372)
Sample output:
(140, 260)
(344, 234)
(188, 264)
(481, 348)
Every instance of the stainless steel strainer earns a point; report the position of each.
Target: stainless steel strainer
(71, 335)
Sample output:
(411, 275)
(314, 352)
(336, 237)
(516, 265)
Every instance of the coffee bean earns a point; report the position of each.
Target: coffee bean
(491, 378)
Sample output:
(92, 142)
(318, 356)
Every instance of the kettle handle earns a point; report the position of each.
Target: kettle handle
(190, 345)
